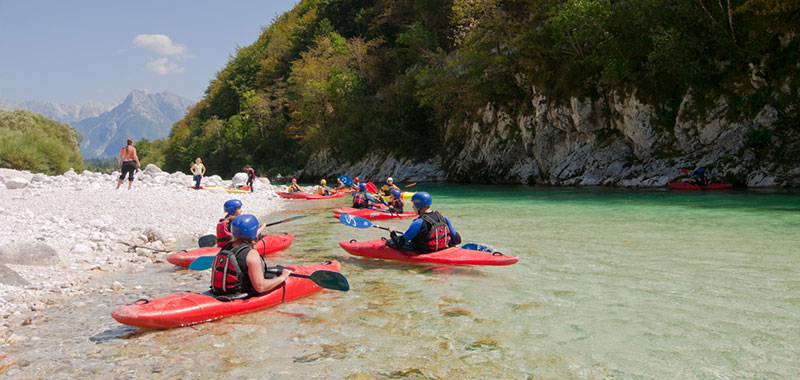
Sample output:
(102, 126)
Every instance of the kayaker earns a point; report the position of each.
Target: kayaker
(340, 185)
(388, 187)
(293, 188)
(322, 189)
(700, 178)
(198, 170)
(430, 232)
(242, 262)
(356, 184)
(127, 162)
(396, 205)
(360, 199)
(251, 176)
(233, 208)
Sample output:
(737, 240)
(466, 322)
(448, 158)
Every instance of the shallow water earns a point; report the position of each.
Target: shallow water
(628, 284)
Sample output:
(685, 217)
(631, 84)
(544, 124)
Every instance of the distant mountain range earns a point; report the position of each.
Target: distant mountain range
(105, 128)
(60, 112)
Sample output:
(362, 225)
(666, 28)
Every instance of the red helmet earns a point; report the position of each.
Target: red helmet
(356, 178)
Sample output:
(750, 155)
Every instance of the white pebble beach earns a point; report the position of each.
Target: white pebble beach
(60, 232)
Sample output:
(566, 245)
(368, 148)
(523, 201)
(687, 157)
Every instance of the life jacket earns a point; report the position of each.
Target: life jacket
(229, 271)
(224, 235)
(397, 205)
(293, 188)
(360, 200)
(433, 234)
(387, 190)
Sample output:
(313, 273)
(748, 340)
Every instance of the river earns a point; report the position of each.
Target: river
(611, 284)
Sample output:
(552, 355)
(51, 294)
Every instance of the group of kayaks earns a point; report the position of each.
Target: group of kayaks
(186, 308)
(229, 190)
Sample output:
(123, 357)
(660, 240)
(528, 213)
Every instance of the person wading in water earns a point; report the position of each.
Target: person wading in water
(127, 162)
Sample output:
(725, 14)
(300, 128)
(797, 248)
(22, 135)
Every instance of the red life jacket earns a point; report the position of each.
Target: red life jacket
(397, 205)
(360, 200)
(224, 235)
(433, 234)
(229, 272)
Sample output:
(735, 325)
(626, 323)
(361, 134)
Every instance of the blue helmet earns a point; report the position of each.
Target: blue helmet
(421, 200)
(396, 193)
(245, 226)
(362, 187)
(232, 205)
(701, 170)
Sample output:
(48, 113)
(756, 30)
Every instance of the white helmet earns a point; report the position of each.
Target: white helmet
(389, 179)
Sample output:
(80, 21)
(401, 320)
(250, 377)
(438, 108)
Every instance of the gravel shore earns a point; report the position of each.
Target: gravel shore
(60, 232)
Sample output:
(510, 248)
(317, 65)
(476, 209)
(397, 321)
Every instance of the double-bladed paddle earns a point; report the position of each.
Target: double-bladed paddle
(327, 279)
(359, 222)
(211, 240)
(346, 180)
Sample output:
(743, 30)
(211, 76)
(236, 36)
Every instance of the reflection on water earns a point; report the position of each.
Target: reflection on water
(611, 284)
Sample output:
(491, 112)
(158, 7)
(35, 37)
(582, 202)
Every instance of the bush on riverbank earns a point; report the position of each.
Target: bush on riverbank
(29, 141)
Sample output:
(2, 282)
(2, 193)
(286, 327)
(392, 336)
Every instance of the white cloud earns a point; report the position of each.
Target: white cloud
(163, 66)
(162, 44)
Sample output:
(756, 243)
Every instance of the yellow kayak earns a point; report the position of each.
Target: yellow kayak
(404, 195)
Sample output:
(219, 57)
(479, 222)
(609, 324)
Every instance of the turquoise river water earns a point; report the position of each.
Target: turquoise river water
(611, 284)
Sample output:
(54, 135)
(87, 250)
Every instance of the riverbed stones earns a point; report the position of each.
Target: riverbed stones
(16, 183)
(10, 277)
(28, 253)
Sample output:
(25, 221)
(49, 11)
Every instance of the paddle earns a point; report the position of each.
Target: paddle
(211, 240)
(346, 180)
(371, 188)
(407, 186)
(359, 222)
(324, 278)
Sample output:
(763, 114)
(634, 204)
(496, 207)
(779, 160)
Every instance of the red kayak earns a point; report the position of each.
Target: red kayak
(338, 194)
(184, 308)
(295, 195)
(452, 256)
(268, 244)
(373, 214)
(689, 186)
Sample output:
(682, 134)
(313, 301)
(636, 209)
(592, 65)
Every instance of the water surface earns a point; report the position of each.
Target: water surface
(627, 284)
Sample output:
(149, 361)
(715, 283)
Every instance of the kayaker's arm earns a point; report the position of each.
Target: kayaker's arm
(256, 274)
(411, 232)
(455, 237)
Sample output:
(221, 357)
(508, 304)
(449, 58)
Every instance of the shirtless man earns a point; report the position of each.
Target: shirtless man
(127, 162)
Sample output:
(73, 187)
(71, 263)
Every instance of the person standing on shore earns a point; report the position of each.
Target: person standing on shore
(198, 170)
(251, 176)
(127, 162)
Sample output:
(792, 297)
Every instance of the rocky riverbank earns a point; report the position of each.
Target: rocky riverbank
(613, 139)
(59, 232)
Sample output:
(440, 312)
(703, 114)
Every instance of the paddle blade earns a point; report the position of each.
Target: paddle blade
(330, 280)
(207, 241)
(684, 171)
(202, 263)
(354, 221)
(346, 180)
(407, 186)
(477, 247)
(371, 187)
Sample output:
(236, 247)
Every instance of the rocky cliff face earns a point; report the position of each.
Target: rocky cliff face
(614, 139)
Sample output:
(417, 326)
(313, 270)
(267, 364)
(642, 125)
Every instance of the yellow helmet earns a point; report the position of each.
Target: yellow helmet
(322, 182)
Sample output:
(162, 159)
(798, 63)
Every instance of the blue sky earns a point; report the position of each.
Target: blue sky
(73, 51)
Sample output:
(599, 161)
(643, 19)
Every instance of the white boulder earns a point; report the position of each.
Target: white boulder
(152, 170)
(239, 179)
(16, 182)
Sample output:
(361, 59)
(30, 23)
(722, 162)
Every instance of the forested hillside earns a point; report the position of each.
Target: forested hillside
(411, 77)
(30, 141)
